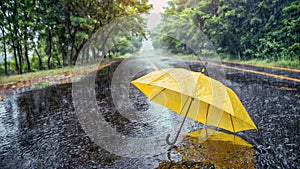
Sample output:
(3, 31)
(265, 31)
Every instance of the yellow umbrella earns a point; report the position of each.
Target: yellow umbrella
(197, 96)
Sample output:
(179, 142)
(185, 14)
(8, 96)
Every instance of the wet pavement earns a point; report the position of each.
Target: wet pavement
(41, 129)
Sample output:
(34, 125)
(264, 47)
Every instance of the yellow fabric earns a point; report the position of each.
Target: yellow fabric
(210, 135)
(214, 103)
(218, 148)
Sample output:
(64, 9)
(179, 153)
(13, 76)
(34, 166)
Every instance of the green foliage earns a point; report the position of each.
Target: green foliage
(50, 33)
(42, 84)
(248, 29)
(127, 45)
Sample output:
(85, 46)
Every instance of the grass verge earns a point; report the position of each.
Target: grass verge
(16, 78)
(5, 79)
(267, 62)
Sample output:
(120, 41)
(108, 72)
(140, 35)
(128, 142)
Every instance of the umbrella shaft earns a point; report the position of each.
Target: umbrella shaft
(176, 137)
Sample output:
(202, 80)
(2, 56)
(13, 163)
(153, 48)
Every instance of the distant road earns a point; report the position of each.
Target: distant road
(276, 72)
(276, 77)
(268, 76)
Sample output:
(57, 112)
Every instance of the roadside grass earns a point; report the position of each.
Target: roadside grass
(191, 56)
(126, 55)
(4, 79)
(279, 63)
(267, 62)
(41, 73)
(42, 84)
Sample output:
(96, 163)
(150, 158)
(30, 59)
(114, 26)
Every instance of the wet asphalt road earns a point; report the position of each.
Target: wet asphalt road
(40, 128)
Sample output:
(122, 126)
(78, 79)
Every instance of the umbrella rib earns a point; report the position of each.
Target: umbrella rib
(157, 94)
(157, 78)
(232, 123)
(207, 113)
(184, 104)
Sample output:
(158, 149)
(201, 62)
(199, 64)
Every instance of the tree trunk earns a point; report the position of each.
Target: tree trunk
(94, 53)
(40, 59)
(50, 49)
(71, 53)
(103, 54)
(15, 55)
(63, 53)
(105, 40)
(77, 51)
(14, 34)
(58, 61)
(4, 50)
(27, 58)
(5, 59)
(87, 54)
(73, 47)
(13, 45)
(20, 57)
(69, 28)
(62, 50)
(26, 44)
(15, 30)
(64, 57)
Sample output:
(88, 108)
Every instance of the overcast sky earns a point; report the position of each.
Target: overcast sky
(154, 17)
(158, 5)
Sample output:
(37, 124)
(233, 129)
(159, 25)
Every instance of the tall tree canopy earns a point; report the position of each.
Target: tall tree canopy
(53, 32)
(247, 29)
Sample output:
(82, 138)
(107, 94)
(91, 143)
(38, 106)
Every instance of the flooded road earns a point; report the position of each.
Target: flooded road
(40, 128)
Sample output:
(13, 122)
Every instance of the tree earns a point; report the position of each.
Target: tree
(4, 50)
(239, 29)
(56, 31)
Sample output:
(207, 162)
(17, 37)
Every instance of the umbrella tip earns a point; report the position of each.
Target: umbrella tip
(203, 70)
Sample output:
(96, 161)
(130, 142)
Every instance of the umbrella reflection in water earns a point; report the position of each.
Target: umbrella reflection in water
(207, 148)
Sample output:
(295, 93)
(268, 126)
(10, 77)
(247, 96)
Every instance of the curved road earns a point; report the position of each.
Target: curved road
(40, 129)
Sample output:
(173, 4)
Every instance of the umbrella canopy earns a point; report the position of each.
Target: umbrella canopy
(197, 96)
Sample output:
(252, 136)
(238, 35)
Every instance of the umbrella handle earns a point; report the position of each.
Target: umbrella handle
(173, 142)
(176, 137)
